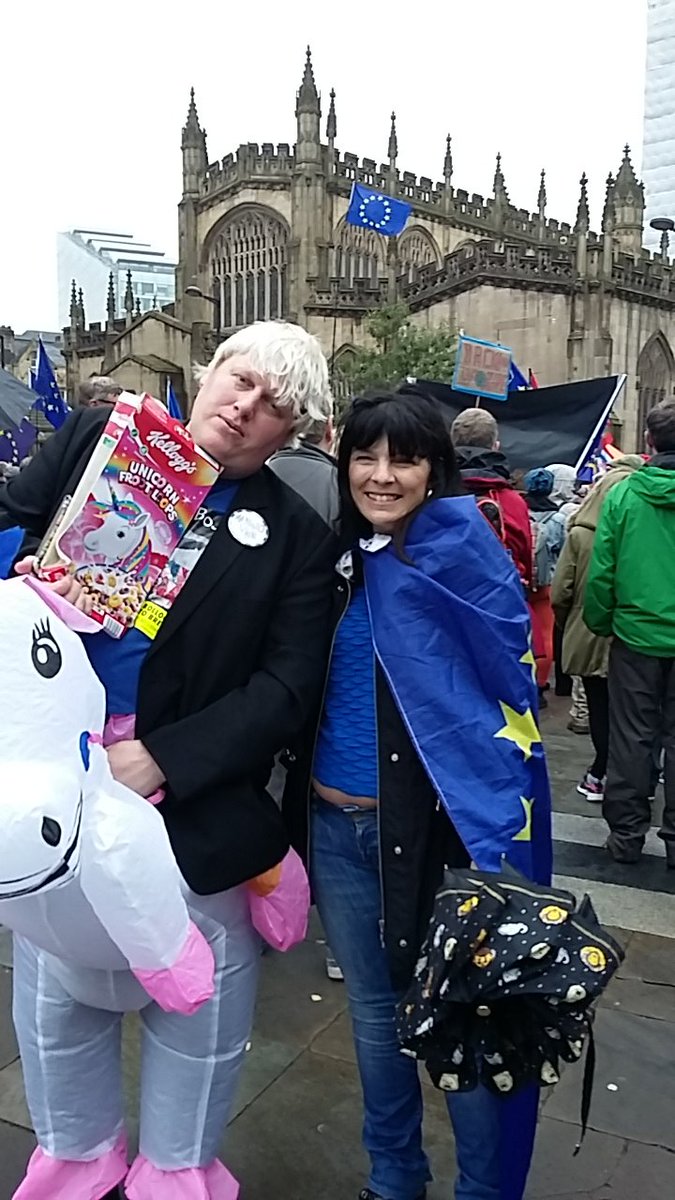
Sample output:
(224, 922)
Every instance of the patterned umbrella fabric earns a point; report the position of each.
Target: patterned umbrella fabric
(505, 983)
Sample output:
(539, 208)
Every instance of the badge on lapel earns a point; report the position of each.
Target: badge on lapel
(247, 527)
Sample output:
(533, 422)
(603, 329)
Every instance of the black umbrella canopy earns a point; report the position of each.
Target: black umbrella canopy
(504, 984)
(16, 400)
(540, 425)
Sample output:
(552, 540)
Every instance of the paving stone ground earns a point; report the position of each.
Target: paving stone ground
(295, 1134)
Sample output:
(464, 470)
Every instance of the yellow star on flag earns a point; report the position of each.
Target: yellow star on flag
(520, 728)
(525, 834)
(530, 661)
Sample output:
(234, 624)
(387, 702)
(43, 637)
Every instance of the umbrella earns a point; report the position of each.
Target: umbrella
(505, 983)
(16, 400)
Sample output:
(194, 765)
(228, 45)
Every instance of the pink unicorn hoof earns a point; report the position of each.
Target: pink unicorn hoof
(189, 983)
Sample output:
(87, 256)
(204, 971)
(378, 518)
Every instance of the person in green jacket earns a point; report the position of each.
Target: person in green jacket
(630, 596)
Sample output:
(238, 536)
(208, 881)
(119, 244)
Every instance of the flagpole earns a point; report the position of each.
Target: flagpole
(334, 341)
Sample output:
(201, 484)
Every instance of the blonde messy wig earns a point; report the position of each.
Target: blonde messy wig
(290, 360)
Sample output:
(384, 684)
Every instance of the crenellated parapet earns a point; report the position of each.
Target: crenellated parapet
(646, 279)
(489, 260)
(90, 338)
(251, 162)
(358, 298)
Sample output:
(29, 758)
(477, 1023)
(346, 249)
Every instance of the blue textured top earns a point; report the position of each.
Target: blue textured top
(118, 663)
(346, 750)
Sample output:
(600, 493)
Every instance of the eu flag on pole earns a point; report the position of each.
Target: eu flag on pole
(374, 210)
(172, 402)
(50, 401)
(517, 380)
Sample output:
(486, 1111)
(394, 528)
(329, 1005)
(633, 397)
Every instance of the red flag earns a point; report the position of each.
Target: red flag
(533, 379)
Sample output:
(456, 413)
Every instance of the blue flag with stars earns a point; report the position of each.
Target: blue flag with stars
(452, 634)
(16, 441)
(371, 209)
(517, 380)
(50, 401)
(172, 402)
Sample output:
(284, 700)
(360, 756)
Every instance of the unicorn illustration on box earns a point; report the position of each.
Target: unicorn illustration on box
(121, 540)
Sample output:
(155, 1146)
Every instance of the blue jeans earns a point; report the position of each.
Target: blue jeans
(346, 880)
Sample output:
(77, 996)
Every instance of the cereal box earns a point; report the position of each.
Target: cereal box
(143, 484)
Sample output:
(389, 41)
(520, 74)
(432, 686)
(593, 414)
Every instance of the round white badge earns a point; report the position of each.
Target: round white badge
(247, 527)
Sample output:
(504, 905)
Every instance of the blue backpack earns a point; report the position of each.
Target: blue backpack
(548, 538)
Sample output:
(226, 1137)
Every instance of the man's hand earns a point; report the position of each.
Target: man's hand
(132, 765)
(68, 587)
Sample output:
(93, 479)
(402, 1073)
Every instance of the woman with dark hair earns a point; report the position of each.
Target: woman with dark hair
(431, 633)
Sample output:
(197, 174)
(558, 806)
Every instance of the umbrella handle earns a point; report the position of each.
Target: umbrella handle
(587, 1087)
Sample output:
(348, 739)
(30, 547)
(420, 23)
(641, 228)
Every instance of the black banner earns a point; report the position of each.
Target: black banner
(540, 425)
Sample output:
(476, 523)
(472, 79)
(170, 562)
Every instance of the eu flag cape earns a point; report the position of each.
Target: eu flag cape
(451, 632)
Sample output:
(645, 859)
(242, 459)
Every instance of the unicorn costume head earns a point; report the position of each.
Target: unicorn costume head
(86, 869)
(49, 707)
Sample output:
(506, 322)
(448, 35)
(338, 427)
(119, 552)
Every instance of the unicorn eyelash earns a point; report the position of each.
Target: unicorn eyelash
(43, 630)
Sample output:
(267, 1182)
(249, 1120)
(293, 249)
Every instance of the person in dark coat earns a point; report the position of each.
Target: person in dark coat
(311, 470)
(233, 674)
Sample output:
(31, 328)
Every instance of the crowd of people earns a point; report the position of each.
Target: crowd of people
(283, 649)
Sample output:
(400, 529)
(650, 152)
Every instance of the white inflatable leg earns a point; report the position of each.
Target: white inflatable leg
(191, 1065)
(71, 1059)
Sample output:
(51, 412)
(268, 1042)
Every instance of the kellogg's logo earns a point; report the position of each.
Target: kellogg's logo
(172, 452)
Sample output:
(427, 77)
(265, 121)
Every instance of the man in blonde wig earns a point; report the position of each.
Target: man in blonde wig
(233, 674)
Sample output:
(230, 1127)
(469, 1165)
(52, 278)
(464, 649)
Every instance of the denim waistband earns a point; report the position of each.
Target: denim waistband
(349, 810)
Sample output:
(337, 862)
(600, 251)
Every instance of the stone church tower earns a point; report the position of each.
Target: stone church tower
(262, 234)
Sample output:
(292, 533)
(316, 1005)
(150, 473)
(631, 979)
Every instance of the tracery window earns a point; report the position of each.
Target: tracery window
(247, 268)
(358, 254)
(656, 378)
(417, 250)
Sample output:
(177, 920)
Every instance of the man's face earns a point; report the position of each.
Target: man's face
(235, 419)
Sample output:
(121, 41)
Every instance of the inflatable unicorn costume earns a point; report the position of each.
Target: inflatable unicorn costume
(104, 924)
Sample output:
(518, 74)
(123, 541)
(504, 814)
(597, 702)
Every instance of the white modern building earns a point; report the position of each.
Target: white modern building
(658, 156)
(89, 256)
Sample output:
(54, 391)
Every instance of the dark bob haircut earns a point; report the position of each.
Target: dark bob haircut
(415, 428)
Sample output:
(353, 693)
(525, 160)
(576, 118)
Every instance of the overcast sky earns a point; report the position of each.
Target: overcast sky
(93, 99)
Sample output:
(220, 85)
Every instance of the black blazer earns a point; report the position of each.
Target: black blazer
(235, 671)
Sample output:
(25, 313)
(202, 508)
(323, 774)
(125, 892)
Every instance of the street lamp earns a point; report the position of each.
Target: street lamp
(664, 226)
(197, 293)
